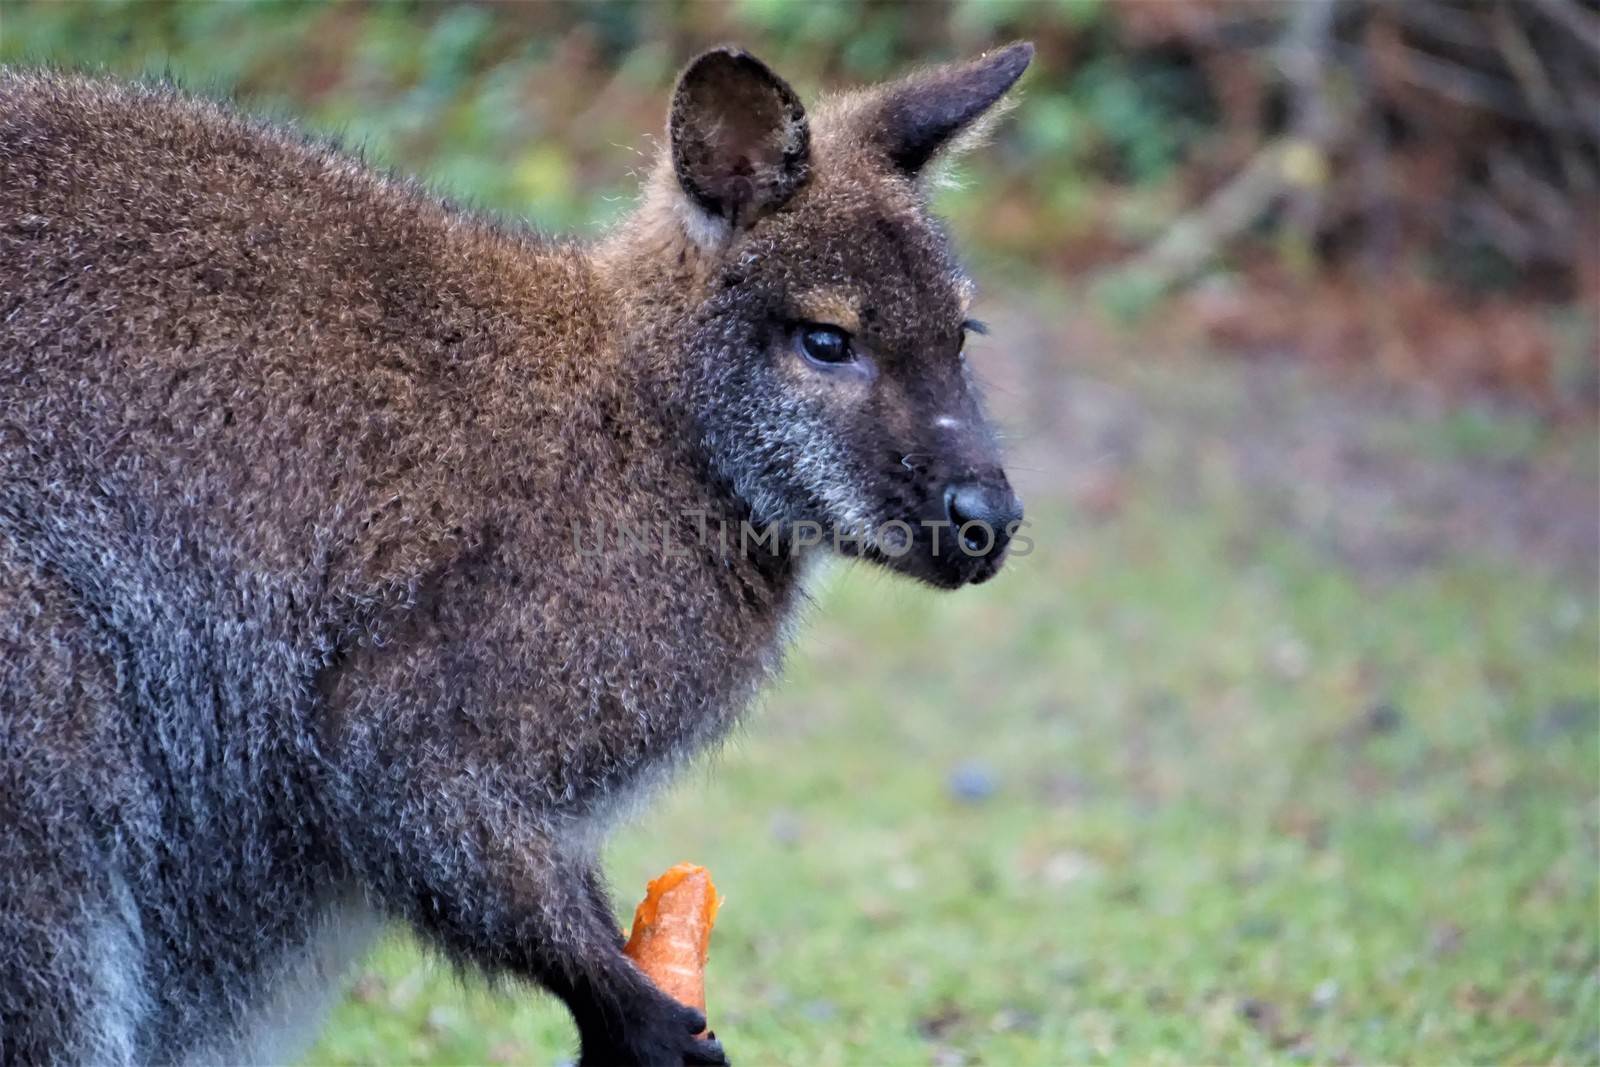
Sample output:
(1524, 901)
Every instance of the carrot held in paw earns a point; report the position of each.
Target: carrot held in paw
(672, 932)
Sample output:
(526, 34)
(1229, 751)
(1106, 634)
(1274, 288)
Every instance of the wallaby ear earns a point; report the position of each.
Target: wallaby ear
(919, 115)
(741, 145)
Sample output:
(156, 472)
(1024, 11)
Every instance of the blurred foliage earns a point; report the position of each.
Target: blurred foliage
(549, 109)
(1133, 115)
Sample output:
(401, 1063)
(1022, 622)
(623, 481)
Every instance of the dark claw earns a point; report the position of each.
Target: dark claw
(706, 1050)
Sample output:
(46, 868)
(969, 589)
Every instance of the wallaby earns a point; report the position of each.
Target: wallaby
(296, 636)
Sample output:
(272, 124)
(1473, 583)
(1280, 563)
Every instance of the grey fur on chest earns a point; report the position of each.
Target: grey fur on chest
(287, 1004)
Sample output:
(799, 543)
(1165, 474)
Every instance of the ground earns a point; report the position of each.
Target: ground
(1281, 745)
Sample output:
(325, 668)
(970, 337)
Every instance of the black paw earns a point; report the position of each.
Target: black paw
(658, 1033)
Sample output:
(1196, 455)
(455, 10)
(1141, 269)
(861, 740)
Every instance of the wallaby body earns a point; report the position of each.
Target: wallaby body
(298, 630)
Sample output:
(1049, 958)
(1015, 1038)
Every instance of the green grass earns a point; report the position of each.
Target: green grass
(1246, 806)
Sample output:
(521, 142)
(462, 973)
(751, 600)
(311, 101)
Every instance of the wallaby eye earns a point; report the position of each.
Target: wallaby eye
(826, 344)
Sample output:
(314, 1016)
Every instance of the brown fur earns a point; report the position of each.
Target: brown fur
(293, 453)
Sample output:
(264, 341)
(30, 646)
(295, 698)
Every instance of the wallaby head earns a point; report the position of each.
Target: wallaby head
(820, 312)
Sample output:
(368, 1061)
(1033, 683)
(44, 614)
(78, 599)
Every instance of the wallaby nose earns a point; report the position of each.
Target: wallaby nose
(984, 514)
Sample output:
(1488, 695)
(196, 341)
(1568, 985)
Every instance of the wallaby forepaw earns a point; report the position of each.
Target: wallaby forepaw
(666, 1035)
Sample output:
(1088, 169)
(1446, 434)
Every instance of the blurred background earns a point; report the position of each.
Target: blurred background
(1283, 744)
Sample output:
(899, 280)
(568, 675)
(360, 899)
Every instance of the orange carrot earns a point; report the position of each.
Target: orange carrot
(672, 932)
